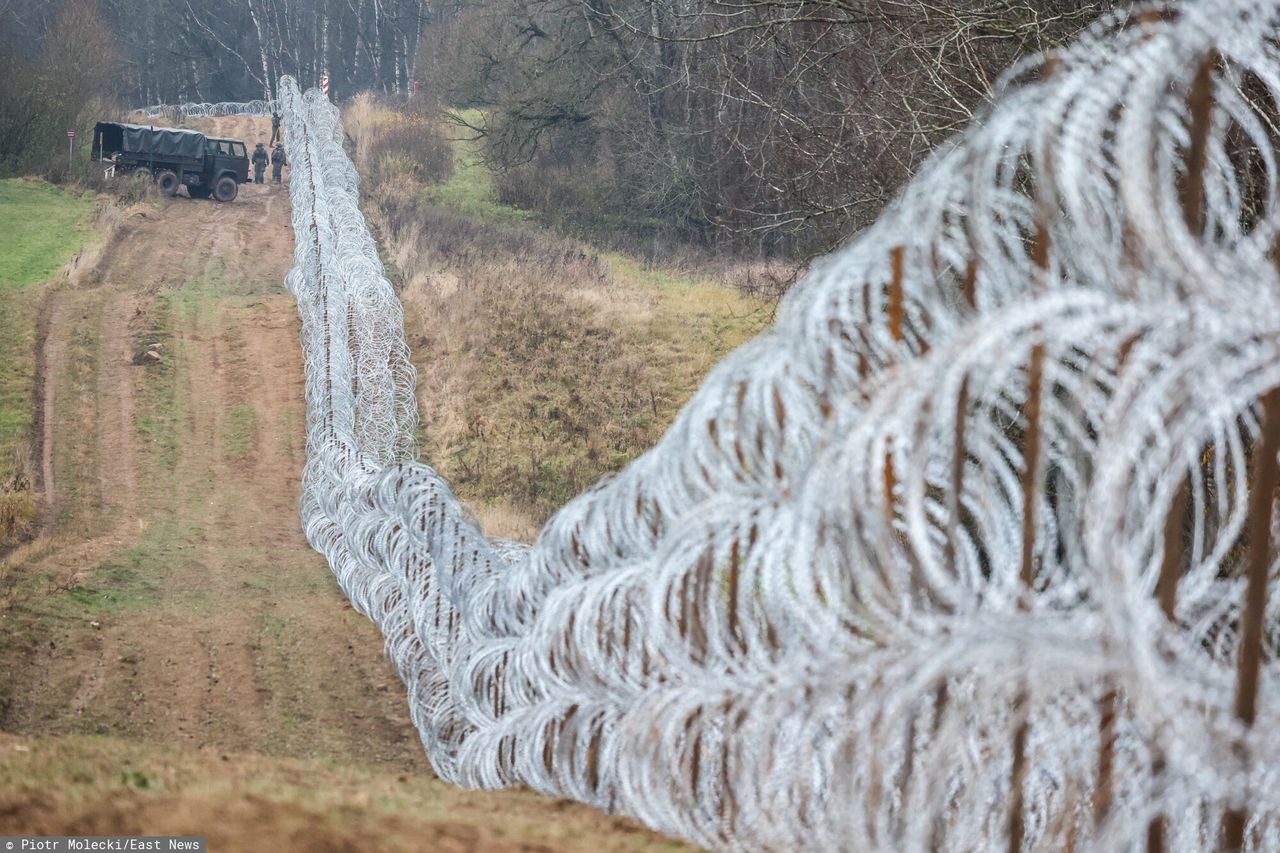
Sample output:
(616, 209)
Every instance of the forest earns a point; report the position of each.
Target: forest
(771, 126)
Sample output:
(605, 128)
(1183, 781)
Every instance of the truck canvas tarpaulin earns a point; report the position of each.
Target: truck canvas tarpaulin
(113, 137)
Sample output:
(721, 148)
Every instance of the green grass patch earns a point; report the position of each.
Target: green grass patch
(469, 190)
(162, 410)
(242, 428)
(114, 586)
(138, 578)
(194, 294)
(636, 271)
(17, 371)
(119, 584)
(290, 425)
(271, 624)
(41, 227)
(213, 285)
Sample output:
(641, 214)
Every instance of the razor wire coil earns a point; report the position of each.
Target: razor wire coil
(177, 112)
(897, 577)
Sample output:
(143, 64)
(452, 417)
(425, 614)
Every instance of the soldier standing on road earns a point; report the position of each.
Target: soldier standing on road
(259, 162)
(275, 127)
(278, 162)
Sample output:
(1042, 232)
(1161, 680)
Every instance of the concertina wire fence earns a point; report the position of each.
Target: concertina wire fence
(177, 112)
(973, 550)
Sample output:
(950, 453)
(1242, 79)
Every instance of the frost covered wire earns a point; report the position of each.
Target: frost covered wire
(974, 550)
(222, 108)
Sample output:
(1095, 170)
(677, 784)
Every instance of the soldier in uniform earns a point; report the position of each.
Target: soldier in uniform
(259, 160)
(278, 162)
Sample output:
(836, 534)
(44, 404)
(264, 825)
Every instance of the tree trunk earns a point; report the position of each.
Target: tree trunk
(262, 51)
(411, 54)
(355, 59)
(323, 63)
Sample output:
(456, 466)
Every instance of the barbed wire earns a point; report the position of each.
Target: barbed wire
(176, 112)
(973, 550)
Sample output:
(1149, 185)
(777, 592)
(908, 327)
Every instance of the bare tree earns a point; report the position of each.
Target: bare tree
(783, 122)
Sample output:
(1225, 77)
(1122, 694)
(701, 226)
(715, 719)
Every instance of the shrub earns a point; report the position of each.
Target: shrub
(17, 516)
(585, 193)
(408, 147)
(132, 188)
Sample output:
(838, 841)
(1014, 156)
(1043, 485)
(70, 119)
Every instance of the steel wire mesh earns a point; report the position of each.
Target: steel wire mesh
(953, 557)
(176, 112)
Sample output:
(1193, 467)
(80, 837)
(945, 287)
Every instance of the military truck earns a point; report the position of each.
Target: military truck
(205, 165)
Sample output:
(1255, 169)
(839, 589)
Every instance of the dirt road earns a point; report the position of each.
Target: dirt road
(172, 616)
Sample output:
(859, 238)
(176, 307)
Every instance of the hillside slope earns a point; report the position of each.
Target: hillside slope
(173, 656)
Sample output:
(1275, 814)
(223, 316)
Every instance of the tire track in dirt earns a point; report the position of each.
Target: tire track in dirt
(191, 612)
(198, 613)
(51, 355)
(117, 433)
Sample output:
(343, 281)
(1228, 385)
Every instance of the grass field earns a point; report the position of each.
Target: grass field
(41, 228)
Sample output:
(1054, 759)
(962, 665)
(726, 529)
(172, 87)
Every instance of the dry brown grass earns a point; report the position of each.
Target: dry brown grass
(361, 116)
(529, 394)
(17, 516)
(244, 801)
(18, 508)
(394, 149)
(544, 363)
(507, 522)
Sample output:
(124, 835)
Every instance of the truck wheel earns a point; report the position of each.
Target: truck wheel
(226, 188)
(168, 183)
(201, 191)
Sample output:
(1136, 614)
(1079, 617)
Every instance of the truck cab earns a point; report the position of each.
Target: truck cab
(223, 157)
